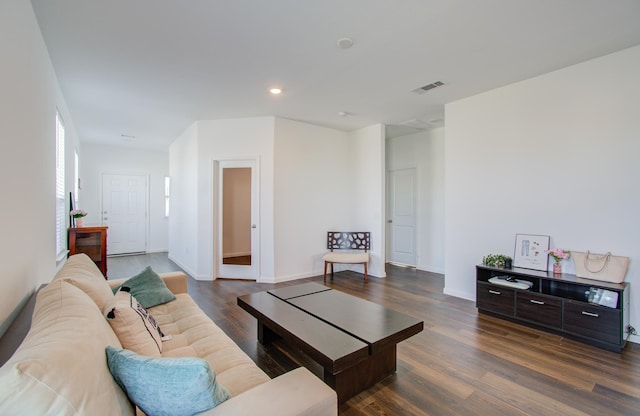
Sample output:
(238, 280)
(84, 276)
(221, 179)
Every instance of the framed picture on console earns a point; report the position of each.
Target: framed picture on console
(531, 251)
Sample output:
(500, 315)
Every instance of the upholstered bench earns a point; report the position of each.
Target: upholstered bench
(347, 247)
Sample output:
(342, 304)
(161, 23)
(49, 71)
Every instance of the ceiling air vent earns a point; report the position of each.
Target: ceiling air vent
(428, 87)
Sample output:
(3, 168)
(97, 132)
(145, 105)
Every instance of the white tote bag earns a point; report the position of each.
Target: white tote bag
(604, 267)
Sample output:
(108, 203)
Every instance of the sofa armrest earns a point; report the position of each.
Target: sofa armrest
(177, 282)
(295, 393)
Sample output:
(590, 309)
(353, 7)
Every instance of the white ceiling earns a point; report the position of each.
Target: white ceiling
(149, 68)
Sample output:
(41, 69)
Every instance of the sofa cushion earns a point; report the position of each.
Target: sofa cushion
(148, 288)
(136, 329)
(82, 272)
(166, 386)
(60, 368)
(195, 335)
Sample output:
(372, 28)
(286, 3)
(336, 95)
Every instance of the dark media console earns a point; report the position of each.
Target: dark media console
(590, 311)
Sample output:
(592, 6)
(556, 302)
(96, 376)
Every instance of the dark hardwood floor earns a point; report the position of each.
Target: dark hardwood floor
(463, 363)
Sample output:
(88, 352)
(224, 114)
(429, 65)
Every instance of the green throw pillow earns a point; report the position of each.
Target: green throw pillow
(148, 288)
(166, 386)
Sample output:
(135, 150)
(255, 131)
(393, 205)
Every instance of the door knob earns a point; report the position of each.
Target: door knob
(253, 226)
(389, 221)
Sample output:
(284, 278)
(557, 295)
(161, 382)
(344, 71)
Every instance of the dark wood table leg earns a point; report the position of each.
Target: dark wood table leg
(266, 335)
(363, 375)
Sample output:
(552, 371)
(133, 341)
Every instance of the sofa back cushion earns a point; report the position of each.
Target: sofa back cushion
(82, 272)
(61, 367)
(136, 329)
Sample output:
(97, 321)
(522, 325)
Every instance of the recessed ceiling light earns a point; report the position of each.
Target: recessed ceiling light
(345, 43)
(275, 90)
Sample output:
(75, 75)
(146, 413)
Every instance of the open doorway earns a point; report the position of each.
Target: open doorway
(237, 249)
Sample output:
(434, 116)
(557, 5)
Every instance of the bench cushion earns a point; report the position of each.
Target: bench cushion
(351, 257)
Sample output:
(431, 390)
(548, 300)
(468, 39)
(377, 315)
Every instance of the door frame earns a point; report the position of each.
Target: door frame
(237, 272)
(147, 220)
(388, 232)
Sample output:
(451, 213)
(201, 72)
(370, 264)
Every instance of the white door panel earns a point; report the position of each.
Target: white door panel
(124, 211)
(403, 238)
(402, 223)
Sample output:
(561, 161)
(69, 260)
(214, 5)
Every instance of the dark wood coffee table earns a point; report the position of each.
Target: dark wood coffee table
(354, 340)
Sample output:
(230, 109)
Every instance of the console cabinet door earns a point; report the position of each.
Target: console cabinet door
(597, 322)
(495, 299)
(540, 309)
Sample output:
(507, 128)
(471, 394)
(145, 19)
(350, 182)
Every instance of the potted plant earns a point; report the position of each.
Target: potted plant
(497, 260)
(78, 217)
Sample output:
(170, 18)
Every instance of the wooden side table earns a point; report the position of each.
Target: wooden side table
(93, 242)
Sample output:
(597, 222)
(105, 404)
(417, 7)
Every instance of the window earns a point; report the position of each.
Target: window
(61, 241)
(76, 178)
(167, 189)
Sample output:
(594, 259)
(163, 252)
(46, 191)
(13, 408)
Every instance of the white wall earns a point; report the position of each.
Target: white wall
(191, 159)
(424, 151)
(245, 138)
(554, 155)
(28, 100)
(96, 160)
(183, 203)
(367, 155)
(312, 179)
(313, 194)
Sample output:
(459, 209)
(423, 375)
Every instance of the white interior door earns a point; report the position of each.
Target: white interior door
(124, 211)
(238, 239)
(402, 219)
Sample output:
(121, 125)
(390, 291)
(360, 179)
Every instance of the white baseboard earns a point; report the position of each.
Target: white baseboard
(157, 250)
(459, 294)
(431, 269)
(280, 279)
(185, 268)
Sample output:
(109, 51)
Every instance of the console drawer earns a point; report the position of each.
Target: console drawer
(495, 299)
(597, 322)
(543, 310)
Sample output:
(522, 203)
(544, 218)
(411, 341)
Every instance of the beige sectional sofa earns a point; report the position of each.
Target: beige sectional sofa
(61, 367)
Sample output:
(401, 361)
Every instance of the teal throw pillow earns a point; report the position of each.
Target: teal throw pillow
(148, 288)
(166, 386)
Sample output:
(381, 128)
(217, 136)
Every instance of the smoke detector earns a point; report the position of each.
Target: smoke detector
(345, 43)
